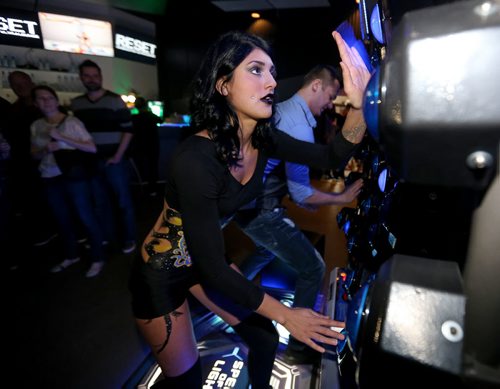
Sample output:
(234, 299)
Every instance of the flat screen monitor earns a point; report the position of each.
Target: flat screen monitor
(76, 35)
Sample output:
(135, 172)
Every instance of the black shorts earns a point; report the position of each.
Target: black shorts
(155, 292)
(161, 284)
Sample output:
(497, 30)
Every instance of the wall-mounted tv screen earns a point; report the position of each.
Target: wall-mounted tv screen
(76, 35)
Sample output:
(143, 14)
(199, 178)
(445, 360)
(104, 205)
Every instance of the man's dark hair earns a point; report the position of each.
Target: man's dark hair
(88, 64)
(18, 73)
(326, 73)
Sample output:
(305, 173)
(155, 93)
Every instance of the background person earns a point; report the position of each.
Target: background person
(29, 203)
(107, 118)
(6, 212)
(58, 131)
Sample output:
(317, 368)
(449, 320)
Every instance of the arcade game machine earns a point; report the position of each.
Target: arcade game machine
(420, 295)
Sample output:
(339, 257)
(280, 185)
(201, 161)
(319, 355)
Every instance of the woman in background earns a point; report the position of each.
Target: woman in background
(58, 131)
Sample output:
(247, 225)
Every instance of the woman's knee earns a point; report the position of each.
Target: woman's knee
(172, 340)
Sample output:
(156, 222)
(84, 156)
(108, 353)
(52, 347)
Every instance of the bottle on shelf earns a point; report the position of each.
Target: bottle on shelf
(5, 61)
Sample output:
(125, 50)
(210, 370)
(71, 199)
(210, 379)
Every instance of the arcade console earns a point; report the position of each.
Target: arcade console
(426, 306)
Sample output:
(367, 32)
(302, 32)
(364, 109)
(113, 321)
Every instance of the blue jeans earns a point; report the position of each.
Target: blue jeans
(65, 197)
(114, 178)
(275, 235)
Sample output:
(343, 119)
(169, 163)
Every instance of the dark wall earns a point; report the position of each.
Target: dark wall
(300, 39)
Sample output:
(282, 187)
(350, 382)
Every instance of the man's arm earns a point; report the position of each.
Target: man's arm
(319, 197)
(122, 147)
(299, 183)
(354, 126)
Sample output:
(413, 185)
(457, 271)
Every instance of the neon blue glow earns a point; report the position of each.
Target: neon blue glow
(275, 282)
(347, 225)
(354, 315)
(376, 25)
(371, 105)
(375, 164)
(351, 243)
(366, 205)
(382, 179)
(234, 353)
(341, 343)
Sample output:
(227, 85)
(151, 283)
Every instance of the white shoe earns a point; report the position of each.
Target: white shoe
(129, 247)
(87, 244)
(44, 241)
(94, 270)
(63, 265)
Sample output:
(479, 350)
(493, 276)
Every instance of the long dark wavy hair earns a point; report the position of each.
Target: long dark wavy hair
(210, 110)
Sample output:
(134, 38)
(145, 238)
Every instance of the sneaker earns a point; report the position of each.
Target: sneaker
(44, 241)
(63, 265)
(94, 270)
(129, 247)
(87, 244)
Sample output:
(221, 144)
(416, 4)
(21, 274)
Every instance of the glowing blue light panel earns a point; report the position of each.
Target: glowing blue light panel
(371, 105)
(376, 25)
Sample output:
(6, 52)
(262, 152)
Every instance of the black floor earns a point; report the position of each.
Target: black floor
(66, 331)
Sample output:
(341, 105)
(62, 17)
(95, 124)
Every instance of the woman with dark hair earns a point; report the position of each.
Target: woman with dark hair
(58, 131)
(213, 173)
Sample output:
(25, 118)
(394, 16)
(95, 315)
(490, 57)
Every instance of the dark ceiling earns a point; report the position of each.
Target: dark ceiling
(300, 37)
(261, 5)
(158, 7)
(151, 7)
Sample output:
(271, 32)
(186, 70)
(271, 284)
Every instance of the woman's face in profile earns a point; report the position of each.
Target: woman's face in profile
(250, 92)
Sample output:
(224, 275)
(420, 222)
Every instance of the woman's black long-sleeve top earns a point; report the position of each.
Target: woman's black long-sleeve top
(203, 190)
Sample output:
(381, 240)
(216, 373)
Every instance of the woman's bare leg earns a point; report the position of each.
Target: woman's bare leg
(172, 340)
